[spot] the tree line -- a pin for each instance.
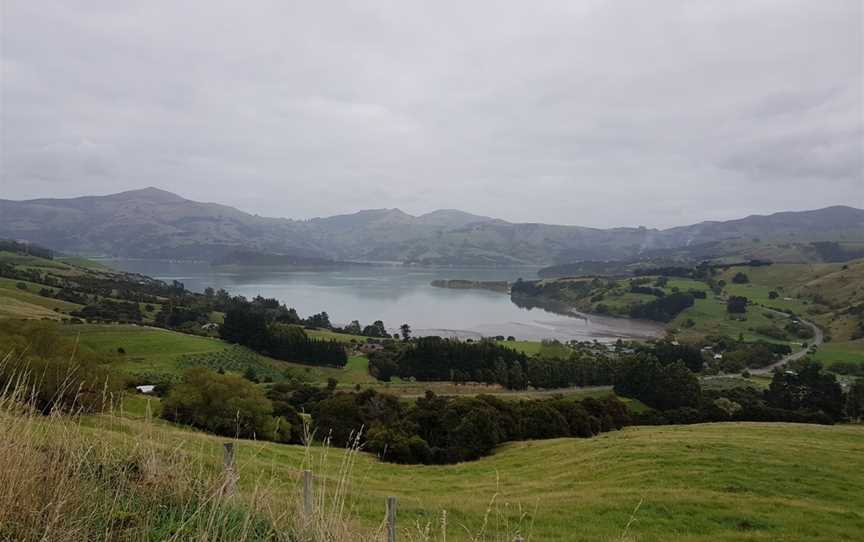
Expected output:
(436, 358)
(247, 325)
(435, 429)
(431, 430)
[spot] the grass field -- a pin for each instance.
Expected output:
(83, 262)
(154, 351)
(12, 307)
(148, 350)
(527, 347)
(9, 289)
(710, 317)
(32, 262)
(850, 351)
(710, 482)
(333, 336)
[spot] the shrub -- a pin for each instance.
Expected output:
(223, 404)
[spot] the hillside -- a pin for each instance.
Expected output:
(828, 294)
(153, 223)
(707, 482)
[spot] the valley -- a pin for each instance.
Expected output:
(710, 469)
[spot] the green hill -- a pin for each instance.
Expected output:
(710, 482)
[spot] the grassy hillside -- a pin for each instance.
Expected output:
(156, 353)
(717, 482)
(831, 295)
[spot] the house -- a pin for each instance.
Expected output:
(210, 327)
(147, 388)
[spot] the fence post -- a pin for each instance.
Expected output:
(307, 493)
(230, 471)
(391, 519)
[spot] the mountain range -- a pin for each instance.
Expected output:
(153, 223)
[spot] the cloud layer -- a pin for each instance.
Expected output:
(592, 113)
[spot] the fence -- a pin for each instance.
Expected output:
(232, 477)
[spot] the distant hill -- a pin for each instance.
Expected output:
(153, 223)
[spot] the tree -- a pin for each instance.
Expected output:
(383, 365)
(245, 326)
(322, 320)
(668, 352)
(377, 330)
(338, 418)
(662, 386)
(773, 295)
(740, 278)
(736, 304)
(855, 400)
(542, 421)
(663, 309)
(471, 428)
(810, 389)
(222, 404)
(354, 328)
(405, 330)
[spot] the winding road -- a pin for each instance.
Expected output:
(818, 337)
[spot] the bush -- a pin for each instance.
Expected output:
(225, 405)
(740, 278)
(58, 374)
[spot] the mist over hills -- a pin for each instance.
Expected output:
(153, 223)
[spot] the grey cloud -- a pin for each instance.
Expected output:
(558, 112)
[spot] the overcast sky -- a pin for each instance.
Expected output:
(597, 113)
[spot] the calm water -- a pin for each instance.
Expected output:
(397, 295)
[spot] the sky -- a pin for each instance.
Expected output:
(595, 113)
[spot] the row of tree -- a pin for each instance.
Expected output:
(433, 429)
(245, 324)
(436, 429)
(436, 358)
